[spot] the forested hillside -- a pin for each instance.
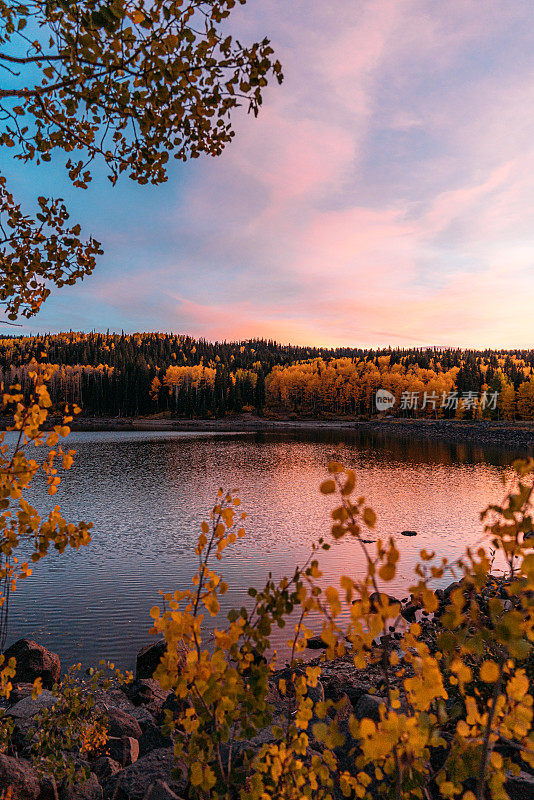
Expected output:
(150, 373)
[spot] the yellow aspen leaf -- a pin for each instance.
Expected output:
(335, 467)
(350, 483)
(387, 572)
(489, 672)
(196, 774)
(369, 517)
(228, 516)
(333, 599)
(328, 486)
(463, 729)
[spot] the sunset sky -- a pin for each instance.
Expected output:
(385, 194)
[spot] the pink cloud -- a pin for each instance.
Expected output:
(383, 194)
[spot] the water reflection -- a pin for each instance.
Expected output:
(148, 492)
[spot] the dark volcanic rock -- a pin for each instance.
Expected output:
(316, 693)
(342, 684)
(20, 691)
(125, 750)
(133, 782)
(368, 706)
(450, 588)
(148, 658)
(409, 611)
(116, 698)
(176, 705)
(34, 661)
(120, 723)
(19, 775)
(275, 698)
(152, 738)
(87, 790)
(143, 716)
(28, 708)
(160, 790)
(105, 767)
(316, 643)
(376, 597)
(147, 692)
(520, 787)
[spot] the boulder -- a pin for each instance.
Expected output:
(120, 723)
(34, 661)
(342, 684)
(275, 698)
(261, 737)
(85, 790)
(133, 782)
(176, 705)
(28, 708)
(341, 713)
(123, 749)
(143, 716)
(153, 738)
(368, 707)
(18, 775)
(20, 691)
(147, 692)
(316, 693)
(316, 643)
(520, 787)
(148, 658)
(450, 588)
(376, 597)
(409, 611)
(105, 767)
(118, 698)
(160, 790)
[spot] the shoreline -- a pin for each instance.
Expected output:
(506, 434)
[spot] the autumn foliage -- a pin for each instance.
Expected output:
(455, 712)
(149, 373)
(456, 715)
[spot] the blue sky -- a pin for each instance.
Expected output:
(383, 196)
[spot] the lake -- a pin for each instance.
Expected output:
(147, 494)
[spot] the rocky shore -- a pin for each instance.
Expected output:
(137, 761)
(513, 435)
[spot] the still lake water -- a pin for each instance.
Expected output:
(147, 494)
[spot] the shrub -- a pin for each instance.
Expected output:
(456, 715)
(456, 712)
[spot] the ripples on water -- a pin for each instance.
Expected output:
(147, 494)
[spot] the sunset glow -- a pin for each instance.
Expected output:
(383, 196)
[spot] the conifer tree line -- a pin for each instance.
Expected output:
(149, 373)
